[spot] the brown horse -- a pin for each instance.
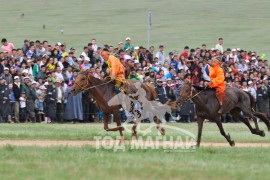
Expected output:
(103, 91)
(237, 102)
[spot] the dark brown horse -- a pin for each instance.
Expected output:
(237, 102)
(103, 91)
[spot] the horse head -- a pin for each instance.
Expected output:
(185, 93)
(81, 83)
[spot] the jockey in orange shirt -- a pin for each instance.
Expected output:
(117, 69)
(217, 80)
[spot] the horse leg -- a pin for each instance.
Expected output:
(200, 127)
(257, 131)
(263, 118)
(105, 121)
(255, 122)
(160, 129)
(118, 123)
(222, 132)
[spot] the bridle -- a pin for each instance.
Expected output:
(190, 97)
(84, 88)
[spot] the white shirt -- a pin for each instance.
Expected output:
(59, 94)
(161, 57)
(94, 46)
(252, 92)
(60, 64)
(69, 74)
(235, 57)
(84, 54)
(205, 75)
(59, 75)
(219, 47)
(22, 102)
(182, 66)
(242, 67)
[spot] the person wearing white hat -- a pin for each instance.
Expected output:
(17, 93)
(252, 90)
(233, 55)
(7, 76)
(41, 93)
(128, 45)
(136, 53)
(127, 57)
(120, 46)
(25, 71)
(86, 63)
(60, 98)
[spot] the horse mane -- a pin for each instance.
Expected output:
(152, 89)
(96, 80)
(199, 88)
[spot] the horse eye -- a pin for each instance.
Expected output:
(82, 79)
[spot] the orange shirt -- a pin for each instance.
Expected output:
(217, 77)
(116, 67)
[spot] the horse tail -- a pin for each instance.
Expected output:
(252, 101)
(152, 90)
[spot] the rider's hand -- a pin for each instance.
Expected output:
(113, 77)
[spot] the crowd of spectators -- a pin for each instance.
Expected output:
(35, 79)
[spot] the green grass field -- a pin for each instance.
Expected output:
(243, 24)
(238, 131)
(87, 162)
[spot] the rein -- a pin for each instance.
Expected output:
(192, 96)
(189, 98)
(84, 87)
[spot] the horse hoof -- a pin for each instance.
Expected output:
(162, 131)
(232, 143)
(134, 137)
(195, 146)
(262, 133)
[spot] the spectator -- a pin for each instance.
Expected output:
(60, 97)
(31, 52)
(17, 92)
(127, 45)
(219, 45)
(12, 101)
(50, 101)
(73, 111)
(22, 107)
(30, 94)
(4, 100)
(94, 44)
(161, 55)
(185, 52)
(7, 76)
(7, 46)
(26, 46)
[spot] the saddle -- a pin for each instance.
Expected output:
(121, 85)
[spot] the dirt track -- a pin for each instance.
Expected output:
(45, 143)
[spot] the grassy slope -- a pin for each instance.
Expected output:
(175, 23)
(238, 131)
(88, 163)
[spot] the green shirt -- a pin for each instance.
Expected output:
(131, 47)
